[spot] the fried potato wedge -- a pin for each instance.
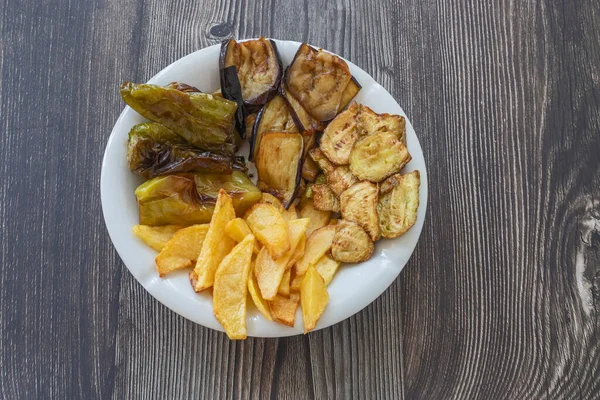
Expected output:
(283, 309)
(284, 286)
(321, 160)
(351, 244)
(182, 250)
(317, 79)
(327, 267)
(298, 252)
(398, 209)
(217, 244)
(290, 214)
(269, 272)
(359, 204)
(378, 156)
(340, 179)
(238, 229)
(295, 282)
(268, 198)
(259, 302)
(155, 236)
(270, 228)
(340, 135)
(317, 244)
(230, 291)
(318, 218)
(313, 297)
(324, 199)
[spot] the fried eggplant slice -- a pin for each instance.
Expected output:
(324, 198)
(204, 120)
(259, 69)
(270, 228)
(378, 156)
(340, 135)
(283, 309)
(232, 90)
(304, 121)
(279, 165)
(318, 218)
(327, 267)
(313, 297)
(349, 93)
(351, 244)
(230, 292)
(217, 244)
(182, 250)
(340, 179)
(273, 117)
(310, 170)
(155, 236)
(398, 208)
(317, 244)
(317, 79)
(154, 150)
(269, 272)
(259, 302)
(359, 204)
(319, 157)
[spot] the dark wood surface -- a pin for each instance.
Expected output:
(501, 297)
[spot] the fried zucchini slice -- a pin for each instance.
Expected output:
(321, 160)
(378, 156)
(389, 183)
(371, 122)
(283, 309)
(313, 297)
(270, 228)
(259, 68)
(318, 79)
(324, 199)
(398, 208)
(340, 135)
(340, 179)
(273, 117)
(279, 165)
(310, 170)
(230, 292)
(359, 204)
(318, 218)
(155, 236)
(351, 244)
(317, 244)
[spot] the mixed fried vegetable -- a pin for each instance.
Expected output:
(329, 180)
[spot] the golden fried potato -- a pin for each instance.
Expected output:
(351, 243)
(270, 228)
(155, 236)
(238, 229)
(230, 290)
(296, 282)
(321, 160)
(340, 179)
(327, 267)
(182, 250)
(378, 156)
(268, 198)
(284, 286)
(359, 204)
(217, 244)
(318, 218)
(324, 199)
(259, 302)
(313, 297)
(334, 221)
(298, 252)
(340, 135)
(317, 245)
(371, 122)
(268, 271)
(398, 209)
(283, 309)
(290, 214)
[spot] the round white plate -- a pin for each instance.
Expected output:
(355, 285)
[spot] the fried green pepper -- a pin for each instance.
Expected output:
(187, 199)
(204, 120)
(154, 150)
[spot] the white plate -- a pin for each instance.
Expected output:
(353, 288)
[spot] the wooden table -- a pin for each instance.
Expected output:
(500, 299)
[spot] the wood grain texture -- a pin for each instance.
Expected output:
(500, 299)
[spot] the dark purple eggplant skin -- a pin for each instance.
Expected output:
(288, 203)
(255, 104)
(255, 132)
(231, 90)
